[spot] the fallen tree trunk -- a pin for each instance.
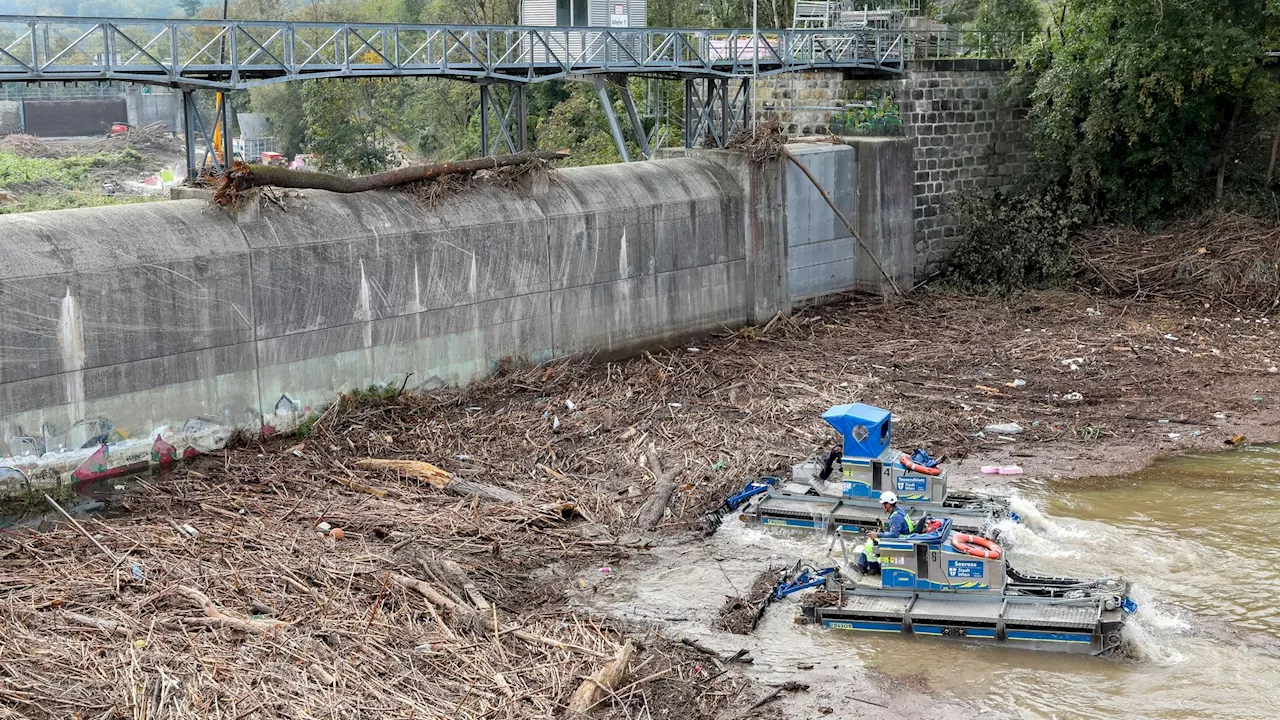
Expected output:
(440, 478)
(471, 617)
(652, 512)
(109, 626)
(216, 617)
(605, 680)
(255, 175)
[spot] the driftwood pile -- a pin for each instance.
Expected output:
(155, 135)
(741, 614)
(763, 144)
(27, 146)
(1219, 259)
(300, 580)
(414, 556)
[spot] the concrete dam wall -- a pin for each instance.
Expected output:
(137, 334)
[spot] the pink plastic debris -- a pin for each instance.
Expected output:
(1001, 470)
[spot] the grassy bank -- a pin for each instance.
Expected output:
(53, 182)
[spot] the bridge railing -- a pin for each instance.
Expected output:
(239, 53)
(958, 43)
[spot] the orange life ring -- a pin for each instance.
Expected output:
(987, 549)
(906, 462)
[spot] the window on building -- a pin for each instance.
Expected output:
(572, 13)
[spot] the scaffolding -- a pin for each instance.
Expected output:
(854, 15)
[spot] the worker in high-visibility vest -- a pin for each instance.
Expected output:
(900, 524)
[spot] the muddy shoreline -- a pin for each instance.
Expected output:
(1106, 387)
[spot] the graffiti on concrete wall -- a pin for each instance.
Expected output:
(93, 449)
(86, 433)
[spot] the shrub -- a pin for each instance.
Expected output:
(1014, 240)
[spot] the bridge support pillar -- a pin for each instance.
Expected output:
(601, 84)
(716, 111)
(637, 127)
(510, 114)
(602, 88)
(189, 112)
(198, 135)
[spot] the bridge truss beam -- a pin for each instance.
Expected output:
(510, 113)
(717, 110)
(237, 54)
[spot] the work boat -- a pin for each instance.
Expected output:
(956, 586)
(849, 503)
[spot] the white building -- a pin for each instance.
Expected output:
(584, 13)
(570, 42)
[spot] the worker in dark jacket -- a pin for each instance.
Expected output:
(899, 524)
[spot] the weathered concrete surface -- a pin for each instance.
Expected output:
(145, 108)
(10, 116)
(765, 281)
(801, 251)
(885, 218)
(182, 321)
(820, 250)
(145, 331)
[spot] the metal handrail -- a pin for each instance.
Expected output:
(182, 52)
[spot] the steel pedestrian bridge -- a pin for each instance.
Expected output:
(238, 54)
(716, 65)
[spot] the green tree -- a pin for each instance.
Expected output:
(1009, 24)
(579, 125)
(343, 127)
(190, 7)
(675, 13)
(1134, 103)
(282, 104)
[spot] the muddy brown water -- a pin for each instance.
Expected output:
(1198, 536)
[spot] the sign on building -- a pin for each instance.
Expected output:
(619, 17)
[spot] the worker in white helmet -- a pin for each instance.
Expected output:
(899, 524)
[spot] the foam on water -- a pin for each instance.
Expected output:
(1034, 518)
(1038, 535)
(1196, 538)
(1153, 633)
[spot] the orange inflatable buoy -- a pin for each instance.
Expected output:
(906, 462)
(985, 548)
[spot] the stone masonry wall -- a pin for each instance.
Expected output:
(966, 135)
